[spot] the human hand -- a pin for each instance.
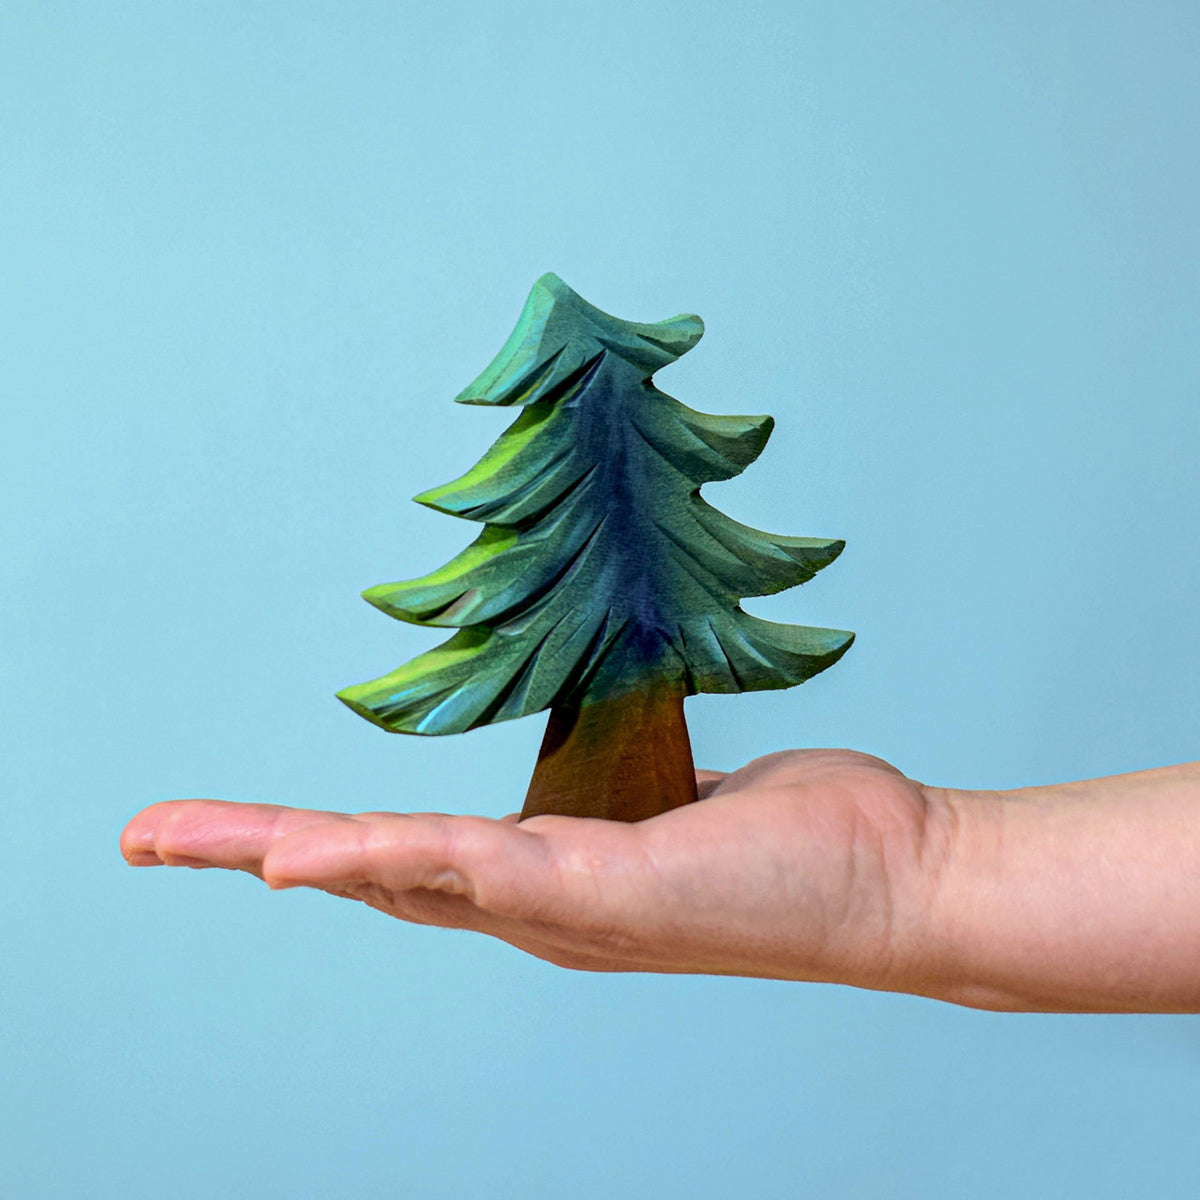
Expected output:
(808, 864)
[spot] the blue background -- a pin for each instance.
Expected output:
(251, 251)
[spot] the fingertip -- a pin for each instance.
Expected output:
(138, 835)
(313, 855)
(274, 871)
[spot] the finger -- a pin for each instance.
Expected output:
(561, 872)
(561, 944)
(573, 891)
(561, 947)
(486, 861)
(214, 833)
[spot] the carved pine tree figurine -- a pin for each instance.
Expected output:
(602, 586)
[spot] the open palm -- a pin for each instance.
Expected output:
(799, 866)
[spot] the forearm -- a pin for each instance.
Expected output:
(1081, 897)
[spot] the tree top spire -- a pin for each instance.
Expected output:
(559, 335)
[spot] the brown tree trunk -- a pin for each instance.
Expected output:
(625, 759)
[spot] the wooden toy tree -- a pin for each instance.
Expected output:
(602, 586)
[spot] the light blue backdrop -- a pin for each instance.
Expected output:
(251, 251)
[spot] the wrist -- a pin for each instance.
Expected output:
(913, 939)
(963, 902)
(1079, 897)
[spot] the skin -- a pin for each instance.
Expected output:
(822, 865)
